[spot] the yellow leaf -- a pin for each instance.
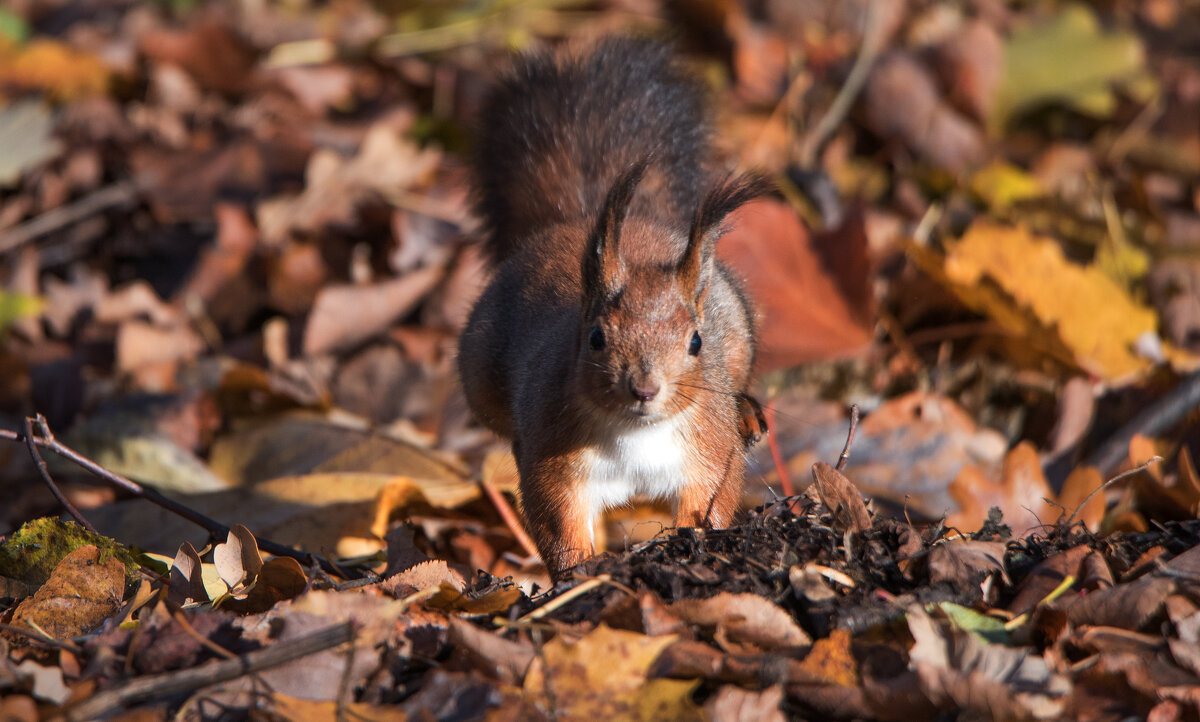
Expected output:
(1068, 60)
(48, 65)
(1026, 284)
(1001, 184)
(603, 676)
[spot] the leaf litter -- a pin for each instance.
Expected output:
(236, 250)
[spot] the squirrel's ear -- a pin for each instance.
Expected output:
(602, 259)
(695, 268)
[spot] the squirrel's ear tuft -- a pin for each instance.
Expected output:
(601, 259)
(695, 268)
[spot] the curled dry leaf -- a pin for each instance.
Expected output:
(237, 560)
(186, 586)
(966, 563)
(841, 498)
(743, 623)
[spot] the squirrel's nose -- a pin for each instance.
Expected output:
(644, 390)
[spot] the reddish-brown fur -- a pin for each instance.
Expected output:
(585, 334)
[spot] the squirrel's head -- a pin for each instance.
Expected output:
(642, 348)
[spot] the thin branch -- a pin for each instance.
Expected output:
(845, 457)
(1110, 482)
(96, 202)
(212, 526)
(510, 518)
(785, 480)
(41, 637)
(187, 680)
(40, 463)
(872, 42)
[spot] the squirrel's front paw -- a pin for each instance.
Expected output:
(752, 424)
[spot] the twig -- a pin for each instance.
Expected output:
(1110, 482)
(40, 463)
(1152, 421)
(164, 685)
(785, 480)
(212, 526)
(96, 202)
(39, 635)
(845, 457)
(510, 518)
(568, 596)
(872, 42)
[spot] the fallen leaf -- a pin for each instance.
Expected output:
(1024, 283)
(603, 675)
(345, 316)
(44, 64)
(958, 670)
(1021, 494)
(743, 623)
(841, 498)
(805, 316)
(1069, 59)
(84, 590)
(966, 563)
(26, 127)
(734, 704)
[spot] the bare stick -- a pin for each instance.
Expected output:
(510, 518)
(1110, 482)
(40, 463)
(872, 42)
(845, 457)
(96, 202)
(212, 526)
(785, 480)
(187, 680)
(41, 637)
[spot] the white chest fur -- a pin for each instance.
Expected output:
(646, 460)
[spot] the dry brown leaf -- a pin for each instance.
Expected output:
(186, 586)
(957, 669)
(280, 578)
(603, 675)
(804, 314)
(744, 623)
(237, 560)
(832, 661)
(335, 188)
(431, 574)
(966, 563)
(1021, 494)
(1080, 483)
(82, 592)
(734, 704)
(501, 658)
(345, 316)
(841, 498)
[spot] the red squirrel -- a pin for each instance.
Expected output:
(611, 345)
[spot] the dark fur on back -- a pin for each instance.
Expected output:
(557, 133)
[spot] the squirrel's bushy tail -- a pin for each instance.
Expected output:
(557, 132)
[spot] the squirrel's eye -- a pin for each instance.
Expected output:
(596, 338)
(694, 344)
